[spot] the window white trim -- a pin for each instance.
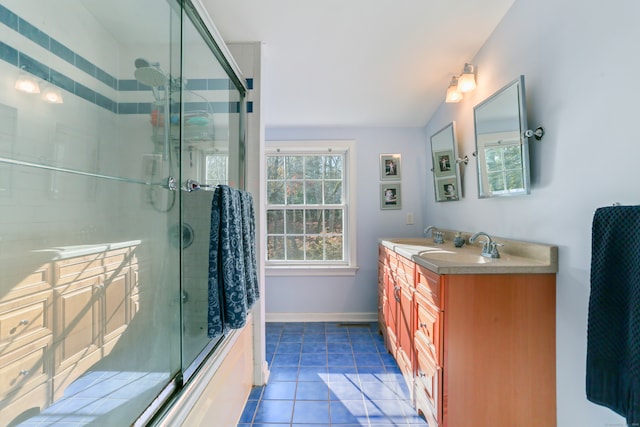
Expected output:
(330, 270)
(342, 268)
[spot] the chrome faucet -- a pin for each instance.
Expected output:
(489, 247)
(438, 236)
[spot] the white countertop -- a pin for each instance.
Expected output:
(65, 252)
(516, 257)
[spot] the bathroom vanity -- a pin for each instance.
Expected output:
(92, 288)
(474, 337)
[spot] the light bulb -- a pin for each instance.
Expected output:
(467, 80)
(27, 83)
(52, 95)
(453, 94)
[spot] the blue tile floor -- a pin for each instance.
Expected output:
(329, 374)
(98, 396)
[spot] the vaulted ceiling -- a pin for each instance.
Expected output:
(357, 62)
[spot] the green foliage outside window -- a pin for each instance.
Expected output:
(504, 168)
(305, 208)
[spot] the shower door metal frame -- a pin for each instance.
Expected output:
(201, 20)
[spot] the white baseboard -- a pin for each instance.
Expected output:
(321, 317)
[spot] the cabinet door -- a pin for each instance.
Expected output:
(405, 329)
(428, 379)
(76, 329)
(116, 310)
(383, 307)
(393, 292)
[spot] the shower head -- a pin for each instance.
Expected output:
(141, 62)
(149, 74)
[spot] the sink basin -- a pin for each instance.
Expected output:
(412, 241)
(456, 257)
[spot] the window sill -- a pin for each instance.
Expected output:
(287, 270)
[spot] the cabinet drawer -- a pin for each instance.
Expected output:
(25, 368)
(25, 319)
(14, 285)
(428, 285)
(428, 328)
(385, 254)
(74, 269)
(404, 269)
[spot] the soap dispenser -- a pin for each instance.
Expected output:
(458, 240)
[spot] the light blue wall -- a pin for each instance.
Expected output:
(577, 61)
(354, 297)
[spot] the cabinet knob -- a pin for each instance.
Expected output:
(24, 322)
(423, 325)
(24, 372)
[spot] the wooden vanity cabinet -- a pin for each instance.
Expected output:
(484, 349)
(399, 276)
(94, 301)
(59, 319)
(499, 350)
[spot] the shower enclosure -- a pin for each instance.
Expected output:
(117, 120)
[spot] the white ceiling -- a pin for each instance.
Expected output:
(357, 62)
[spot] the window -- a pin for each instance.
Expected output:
(504, 168)
(216, 167)
(309, 212)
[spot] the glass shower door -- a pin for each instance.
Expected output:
(211, 155)
(89, 258)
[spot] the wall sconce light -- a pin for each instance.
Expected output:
(467, 80)
(27, 83)
(51, 94)
(453, 94)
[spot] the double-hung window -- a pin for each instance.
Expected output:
(503, 162)
(310, 209)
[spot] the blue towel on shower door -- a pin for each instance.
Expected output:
(249, 245)
(613, 328)
(232, 267)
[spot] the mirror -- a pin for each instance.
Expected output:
(446, 176)
(502, 151)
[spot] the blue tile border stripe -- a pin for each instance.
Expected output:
(18, 59)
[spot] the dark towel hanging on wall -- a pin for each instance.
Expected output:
(233, 279)
(613, 328)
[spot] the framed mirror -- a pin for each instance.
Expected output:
(502, 151)
(446, 174)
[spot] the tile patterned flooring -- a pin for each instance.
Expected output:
(329, 374)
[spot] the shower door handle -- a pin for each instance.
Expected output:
(193, 185)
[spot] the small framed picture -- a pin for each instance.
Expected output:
(389, 167)
(443, 163)
(390, 196)
(446, 189)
